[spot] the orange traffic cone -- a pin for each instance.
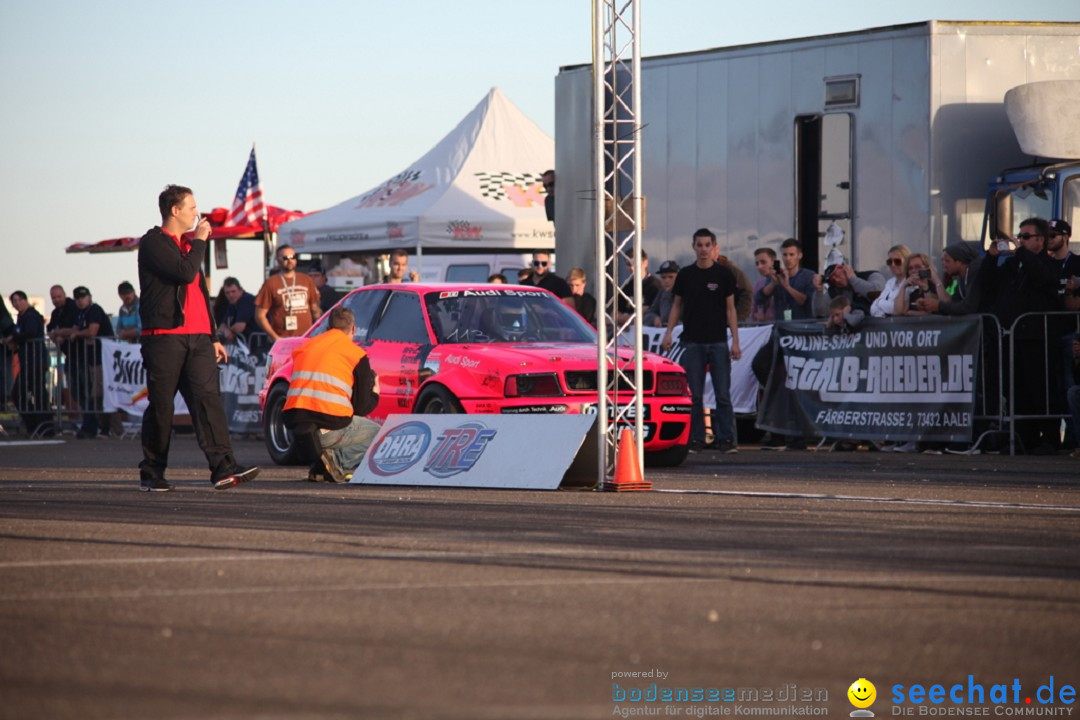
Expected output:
(627, 470)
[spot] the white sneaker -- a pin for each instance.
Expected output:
(908, 447)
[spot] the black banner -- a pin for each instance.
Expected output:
(895, 379)
(241, 379)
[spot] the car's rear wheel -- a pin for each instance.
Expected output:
(672, 457)
(437, 400)
(279, 440)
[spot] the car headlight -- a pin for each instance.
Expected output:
(539, 385)
(671, 384)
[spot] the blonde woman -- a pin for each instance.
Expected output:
(920, 280)
(886, 301)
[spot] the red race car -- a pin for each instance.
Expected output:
(476, 348)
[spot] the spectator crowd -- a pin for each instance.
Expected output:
(1035, 272)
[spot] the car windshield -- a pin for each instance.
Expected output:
(487, 315)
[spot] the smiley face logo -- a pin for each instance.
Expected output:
(862, 693)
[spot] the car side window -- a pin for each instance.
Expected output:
(365, 305)
(402, 321)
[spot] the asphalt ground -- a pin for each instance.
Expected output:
(285, 599)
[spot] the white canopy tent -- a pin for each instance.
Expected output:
(478, 189)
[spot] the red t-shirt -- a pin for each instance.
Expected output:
(196, 316)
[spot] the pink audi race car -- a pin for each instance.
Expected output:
(486, 349)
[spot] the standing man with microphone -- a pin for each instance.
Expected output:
(178, 346)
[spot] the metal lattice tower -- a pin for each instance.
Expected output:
(616, 159)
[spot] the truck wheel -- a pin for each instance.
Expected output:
(437, 400)
(672, 457)
(279, 440)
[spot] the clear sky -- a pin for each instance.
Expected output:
(103, 103)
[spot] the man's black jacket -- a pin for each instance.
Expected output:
(164, 274)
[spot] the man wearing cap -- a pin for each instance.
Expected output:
(960, 263)
(179, 349)
(1065, 328)
(861, 288)
(128, 325)
(660, 309)
(1057, 245)
(91, 323)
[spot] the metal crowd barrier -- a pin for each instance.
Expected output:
(1040, 356)
(47, 390)
(38, 388)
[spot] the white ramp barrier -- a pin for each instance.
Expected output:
(538, 452)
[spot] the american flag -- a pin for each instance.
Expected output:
(247, 208)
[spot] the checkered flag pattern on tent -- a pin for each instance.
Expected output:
(493, 185)
(522, 189)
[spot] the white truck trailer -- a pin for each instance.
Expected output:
(891, 133)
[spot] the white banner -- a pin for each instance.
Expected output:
(744, 386)
(125, 379)
(474, 451)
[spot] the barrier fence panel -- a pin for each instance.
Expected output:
(99, 386)
(1039, 366)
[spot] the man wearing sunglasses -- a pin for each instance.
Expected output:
(543, 277)
(1025, 282)
(288, 302)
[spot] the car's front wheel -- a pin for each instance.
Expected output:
(437, 400)
(279, 440)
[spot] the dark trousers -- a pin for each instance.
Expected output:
(29, 392)
(185, 363)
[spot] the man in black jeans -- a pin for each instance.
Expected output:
(178, 345)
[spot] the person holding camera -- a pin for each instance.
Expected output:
(765, 311)
(789, 286)
(920, 281)
(861, 287)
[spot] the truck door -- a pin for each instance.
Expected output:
(823, 191)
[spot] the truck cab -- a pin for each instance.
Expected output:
(1050, 191)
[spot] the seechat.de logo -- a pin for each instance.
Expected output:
(399, 449)
(458, 449)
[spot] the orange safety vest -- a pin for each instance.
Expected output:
(322, 376)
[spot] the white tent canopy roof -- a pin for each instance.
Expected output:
(478, 189)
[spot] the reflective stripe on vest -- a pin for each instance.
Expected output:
(322, 377)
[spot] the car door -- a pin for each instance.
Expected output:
(398, 344)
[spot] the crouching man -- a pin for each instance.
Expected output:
(331, 389)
